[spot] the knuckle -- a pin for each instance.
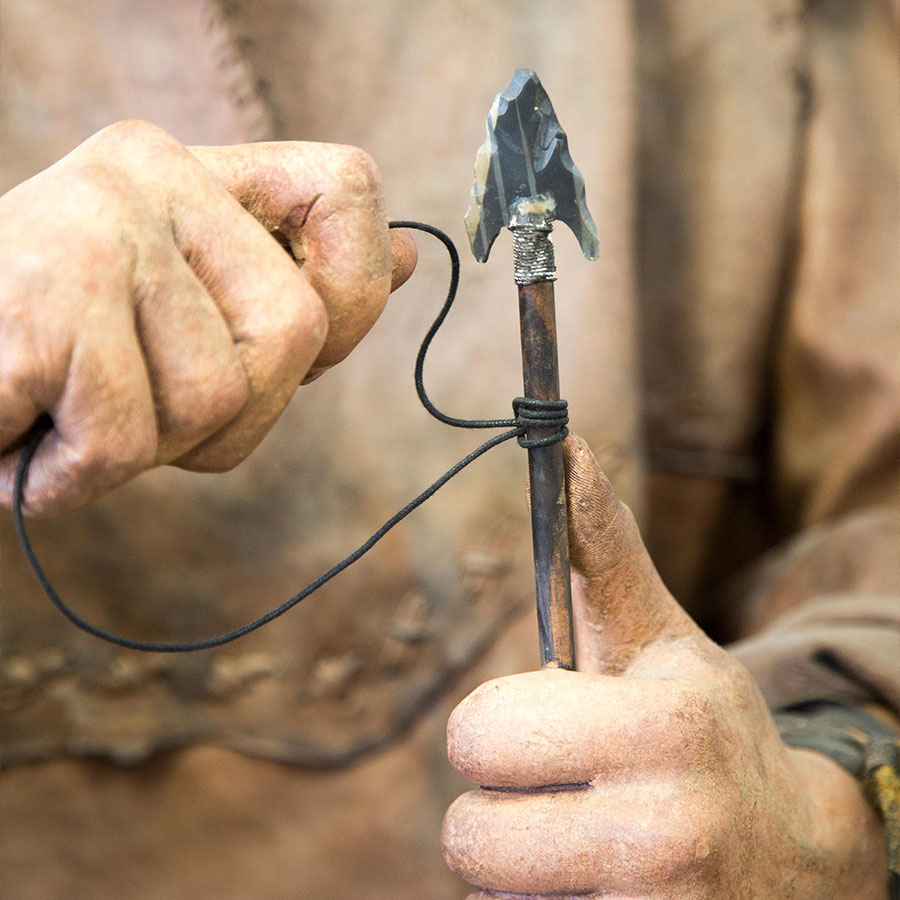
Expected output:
(47, 501)
(216, 395)
(130, 451)
(739, 683)
(230, 394)
(18, 372)
(309, 323)
(297, 336)
(101, 206)
(356, 172)
(134, 135)
(98, 181)
(131, 155)
(689, 851)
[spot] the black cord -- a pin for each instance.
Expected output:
(528, 414)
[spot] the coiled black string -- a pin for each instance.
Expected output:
(527, 414)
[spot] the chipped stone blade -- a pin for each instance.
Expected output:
(526, 156)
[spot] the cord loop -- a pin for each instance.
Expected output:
(531, 414)
(528, 415)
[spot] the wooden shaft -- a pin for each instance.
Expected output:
(546, 473)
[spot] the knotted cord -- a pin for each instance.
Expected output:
(527, 414)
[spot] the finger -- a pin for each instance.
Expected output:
(104, 422)
(197, 375)
(555, 727)
(276, 319)
(633, 839)
(324, 202)
(404, 256)
(18, 407)
(505, 895)
(33, 360)
(24, 395)
(620, 603)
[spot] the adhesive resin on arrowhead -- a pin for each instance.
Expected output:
(525, 157)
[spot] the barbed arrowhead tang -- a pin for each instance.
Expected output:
(525, 179)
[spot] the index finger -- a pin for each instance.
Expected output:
(555, 727)
(324, 203)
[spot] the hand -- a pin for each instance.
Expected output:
(146, 307)
(656, 771)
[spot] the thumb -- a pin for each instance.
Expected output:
(620, 603)
(324, 204)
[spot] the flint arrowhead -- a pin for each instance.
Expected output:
(526, 158)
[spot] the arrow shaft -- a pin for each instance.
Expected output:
(525, 179)
(546, 473)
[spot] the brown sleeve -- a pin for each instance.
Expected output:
(824, 614)
(825, 608)
(837, 377)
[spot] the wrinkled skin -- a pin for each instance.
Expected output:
(146, 307)
(671, 779)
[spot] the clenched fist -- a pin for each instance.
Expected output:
(656, 771)
(147, 303)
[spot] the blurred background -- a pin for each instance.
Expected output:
(727, 149)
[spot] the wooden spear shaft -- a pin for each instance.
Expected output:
(547, 479)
